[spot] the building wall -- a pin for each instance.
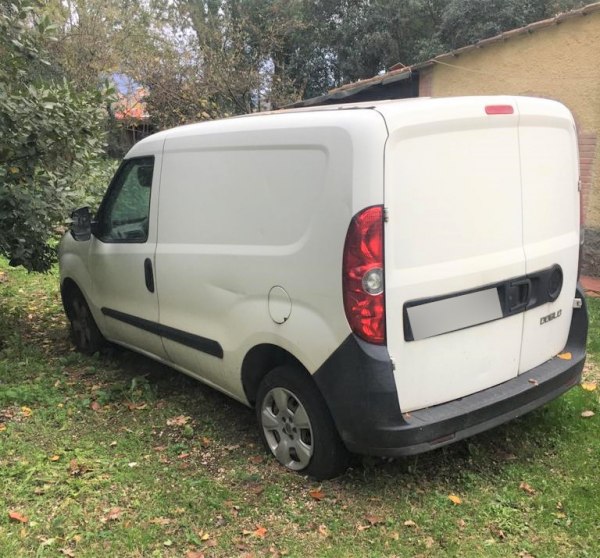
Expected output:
(562, 62)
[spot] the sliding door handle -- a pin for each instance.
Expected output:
(149, 274)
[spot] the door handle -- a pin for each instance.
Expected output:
(149, 274)
(518, 294)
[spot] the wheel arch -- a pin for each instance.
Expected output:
(259, 361)
(69, 288)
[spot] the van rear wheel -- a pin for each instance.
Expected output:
(296, 426)
(85, 334)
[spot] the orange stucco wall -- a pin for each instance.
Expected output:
(562, 62)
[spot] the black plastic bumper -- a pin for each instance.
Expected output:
(358, 384)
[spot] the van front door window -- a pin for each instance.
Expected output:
(123, 216)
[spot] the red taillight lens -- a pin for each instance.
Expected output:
(362, 279)
(499, 109)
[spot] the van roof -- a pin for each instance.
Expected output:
(212, 125)
(390, 109)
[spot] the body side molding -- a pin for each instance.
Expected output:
(208, 346)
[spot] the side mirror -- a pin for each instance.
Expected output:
(81, 224)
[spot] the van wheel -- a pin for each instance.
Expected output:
(296, 426)
(85, 334)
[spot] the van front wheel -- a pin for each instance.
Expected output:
(85, 334)
(296, 426)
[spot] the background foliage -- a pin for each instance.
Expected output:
(51, 138)
(195, 60)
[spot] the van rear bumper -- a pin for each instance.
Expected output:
(358, 383)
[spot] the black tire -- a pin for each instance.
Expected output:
(302, 436)
(84, 332)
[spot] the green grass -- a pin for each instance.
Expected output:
(120, 456)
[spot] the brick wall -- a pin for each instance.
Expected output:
(591, 249)
(587, 150)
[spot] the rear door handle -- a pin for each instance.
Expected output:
(149, 274)
(518, 294)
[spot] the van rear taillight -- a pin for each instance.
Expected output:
(363, 282)
(499, 109)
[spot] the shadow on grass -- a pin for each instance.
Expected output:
(522, 441)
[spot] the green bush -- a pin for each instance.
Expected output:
(52, 140)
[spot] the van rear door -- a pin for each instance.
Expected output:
(454, 232)
(550, 176)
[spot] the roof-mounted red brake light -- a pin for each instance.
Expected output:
(362, 278)
(499, 109)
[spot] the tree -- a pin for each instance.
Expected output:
(51, 138)
(468, 21)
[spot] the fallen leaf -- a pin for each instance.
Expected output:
(394, 535)
(67, 552)
(565, 356)
(206, 536)
(456, 500)
(180, 420)
(16, 516)
(316, 494)
(527, 488)
(136, 406)
(497, 532)
(533, 381)
(409, 523)
(112, 444)
(2, 427)
(205, 442)
(112, 515)
(256, 488)
(260, 532)
(95, 406)
(26, 411)
(589, 386)
(183, 455)
(256, 459)
(461, 524)
(323, 531)
(54, 457)
(429, 542)
(75, 469)
(168, 542)
(587, 414)
(525, 554)
(194, 554)
(374, 519)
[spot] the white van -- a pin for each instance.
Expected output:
(383, 278)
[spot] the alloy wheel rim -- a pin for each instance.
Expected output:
(287, 428)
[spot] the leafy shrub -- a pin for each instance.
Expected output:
(51, 140)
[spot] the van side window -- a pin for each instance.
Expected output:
(124, 213)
